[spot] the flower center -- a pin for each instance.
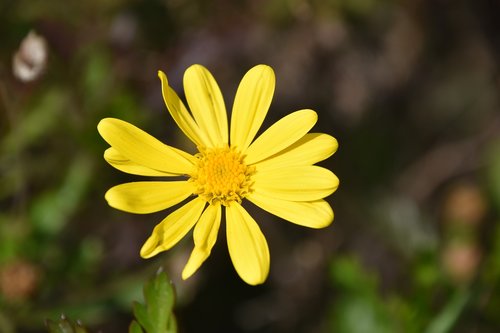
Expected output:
(221, 176)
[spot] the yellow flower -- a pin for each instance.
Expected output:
(274, 171)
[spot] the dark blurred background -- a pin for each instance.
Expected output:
(409, 88)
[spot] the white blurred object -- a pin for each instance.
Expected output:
(29, 61)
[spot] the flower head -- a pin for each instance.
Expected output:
(275, 171)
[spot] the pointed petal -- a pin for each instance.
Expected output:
(247, 245)
(180, 114)
(120, 162)
(313, 214)
(205, 235)
(173, 228)
(141, 148)
(297, 183)
(251, 104)
(148, 197)
(206, 103)
(281, 135)
(311, 148)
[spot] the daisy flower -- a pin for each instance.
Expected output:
(275, 171)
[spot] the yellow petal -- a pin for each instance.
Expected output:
(148, 197)
(206, 103)
(141, 148)
(251, 104)
(205, 235)
(171, 230)
(247, 245)
(281, 135)
(297, 183)
(310, 149)
(313, 214)
(120, 162)
(196, 259)
(180, 114)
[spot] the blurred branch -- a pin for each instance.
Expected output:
(5, 103)
(4, 98)
(445, 161)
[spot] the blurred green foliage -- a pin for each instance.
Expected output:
(410, 90)
(155, 316)
(64, 325)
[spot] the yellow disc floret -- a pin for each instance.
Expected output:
(221, 176)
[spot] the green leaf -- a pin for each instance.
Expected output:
(445, 320)
(135, 327)
(172, 325)
(155, 316)
(142, 316)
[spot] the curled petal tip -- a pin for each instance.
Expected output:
(162, 75)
